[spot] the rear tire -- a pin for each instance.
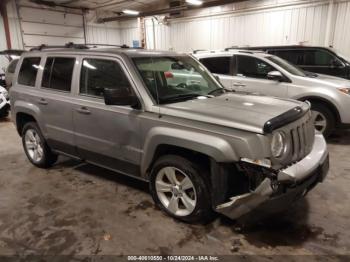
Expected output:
(178, 187)
(36, 148)
(323, 118)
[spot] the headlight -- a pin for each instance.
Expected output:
(278, 144)
(345, 90)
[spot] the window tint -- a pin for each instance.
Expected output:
(58, 73)
(252, 67)
(306, 57)
(28, 71)
(98, 74)
(12, 66)
(217, 65)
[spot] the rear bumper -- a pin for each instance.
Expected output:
(293, 183)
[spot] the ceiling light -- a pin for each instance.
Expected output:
(194, 2)
(130, 12)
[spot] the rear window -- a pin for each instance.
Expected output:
(28, 71)
(217, 65)
(58, 72)
(12, 66)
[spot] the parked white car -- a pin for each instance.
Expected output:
(266, 74)
(4, 102)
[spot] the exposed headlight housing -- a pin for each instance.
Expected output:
(278, 144)
(345, 90)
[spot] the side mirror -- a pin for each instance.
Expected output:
(120, 97)
(217, 78)
(275, 75)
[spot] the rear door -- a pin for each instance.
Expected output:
(250, 75)
(106, 135)
(314, 60)
(55, 102)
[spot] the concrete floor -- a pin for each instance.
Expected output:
(78, 209)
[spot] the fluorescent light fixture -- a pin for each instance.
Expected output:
(130, 12)
(194, 2)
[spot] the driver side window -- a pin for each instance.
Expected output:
(249, 66)
(98, 74)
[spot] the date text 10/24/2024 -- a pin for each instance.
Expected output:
(173, 258)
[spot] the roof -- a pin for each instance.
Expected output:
(283, 47)
(202, 54)
(131, 52)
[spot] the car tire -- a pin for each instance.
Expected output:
(189, 189)
(36, 148)
(323, 118)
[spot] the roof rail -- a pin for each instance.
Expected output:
(74, 46)
(68, 45)
(199, 50)
(120, 46)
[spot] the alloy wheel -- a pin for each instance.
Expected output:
(175, 191)
(319, 120)
(33, 145)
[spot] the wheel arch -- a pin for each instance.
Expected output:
(324, 101)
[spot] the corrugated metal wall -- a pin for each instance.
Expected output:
(341, 40)
(285, 25)
(255, 23)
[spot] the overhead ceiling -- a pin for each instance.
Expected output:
(111, 10)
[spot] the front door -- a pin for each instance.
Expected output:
(250, 75)
(106, 135)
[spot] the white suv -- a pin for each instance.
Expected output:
(266, 74)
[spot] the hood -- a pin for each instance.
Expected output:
(330, 81)
(241, 111)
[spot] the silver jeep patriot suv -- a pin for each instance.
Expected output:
(163, 118)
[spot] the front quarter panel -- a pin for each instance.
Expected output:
(224, 145)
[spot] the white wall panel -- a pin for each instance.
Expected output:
(290, 25)
(342, 28)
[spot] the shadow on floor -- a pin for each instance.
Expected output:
(339, 137)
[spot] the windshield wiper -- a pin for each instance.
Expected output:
(223, 90)
(180, 97)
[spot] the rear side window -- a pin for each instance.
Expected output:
(12, 66)
(58, 72)
(252, 67)
(98, 74)
(29, 69)
(312, 57)
(217, 65)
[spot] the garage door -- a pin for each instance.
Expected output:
(41, 26)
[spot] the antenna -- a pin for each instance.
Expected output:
(156, 84)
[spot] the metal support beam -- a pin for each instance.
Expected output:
(3, 11)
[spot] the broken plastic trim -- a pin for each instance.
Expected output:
(259, 162)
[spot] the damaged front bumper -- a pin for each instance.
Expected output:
(292, 183)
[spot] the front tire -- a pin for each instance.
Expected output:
(323, 118)
(178, 187)
(35, 146)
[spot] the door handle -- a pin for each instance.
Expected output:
(42, 101)
(83, 110)
(238, 84)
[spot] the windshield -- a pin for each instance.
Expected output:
(172, 79)
(287, 66)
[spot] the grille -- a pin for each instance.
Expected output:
(302, 139)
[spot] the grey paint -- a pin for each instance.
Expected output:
(226, 128)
